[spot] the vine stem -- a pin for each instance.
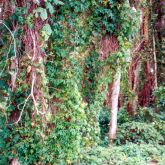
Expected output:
(25, 102)
(15, 54)
(22, 109)
(32, 95)
(34, 75)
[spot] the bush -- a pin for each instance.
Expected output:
(137, 132)
(145, 114)
(151, 117)
(159, 125)
(130, 154)
(159, 93)
(104, 119)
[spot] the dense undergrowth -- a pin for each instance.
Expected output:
(128, 154)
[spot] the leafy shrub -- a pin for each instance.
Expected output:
(145, 114)
(130, 154)
(137, 132)
(151, 117)
(104, 119)
(159, 93)
(123, 116)
(159, 125)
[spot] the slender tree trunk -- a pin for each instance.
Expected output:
(114, 105)
(15, 162)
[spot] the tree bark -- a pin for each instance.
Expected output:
(15, 162)
(114, 105)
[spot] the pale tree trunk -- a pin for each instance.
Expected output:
(15, 162)
(114, 105)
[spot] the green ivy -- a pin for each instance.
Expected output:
(76, 84)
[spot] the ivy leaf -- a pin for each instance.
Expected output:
(46, 31)
(50, 7)
(3, 85)
(57, 2)
(43, 13)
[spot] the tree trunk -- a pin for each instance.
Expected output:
(15, 162)
(114, 105)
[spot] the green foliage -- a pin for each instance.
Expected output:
(123, 116)
(126, 154)
(104, 121)
(137, 132)
(42, 12)
(46, 31)
(129, 21)
(150, 116)
(159, 93)
(57, 2)
(74, 81)
(160, 127)
(146, 126)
